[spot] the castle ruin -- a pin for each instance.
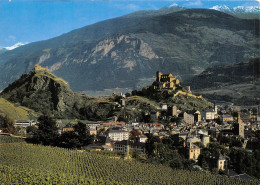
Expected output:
(165, 81)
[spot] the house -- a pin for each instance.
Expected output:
(205, 139)
(211, 113)
(113, 123)
(118, 135)
(188, 118)
(93, 131)
(141, 138)
(221, 163)
(67, 129)
(138, 146)
(107, 148)
(193, 152)
(93, 126)
(127, 146)
(217, 161)
(94, 147)
(191, 117)
(122, 146)
(164, 107)
(172, 111)
(226, 118)
(25, 123)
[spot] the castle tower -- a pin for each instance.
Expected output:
(37, 67)
(158, 76)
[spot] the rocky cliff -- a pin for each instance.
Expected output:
(43, 92)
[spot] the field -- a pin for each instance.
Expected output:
(31, 164)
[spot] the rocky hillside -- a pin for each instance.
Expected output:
(238, 83)
(43, 92)
(243, 72)
(127, 51)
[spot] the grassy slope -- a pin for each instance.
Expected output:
(16, 112)
(143, 100)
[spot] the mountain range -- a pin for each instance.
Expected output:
(125, 52)
(244, 12)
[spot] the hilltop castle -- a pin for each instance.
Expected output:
(37, 67)
(165, 81)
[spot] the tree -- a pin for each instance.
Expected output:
(78, 138)
(150, 145)
(7, 125)
(31, 129)
(47, 133)
(82, 133)
(69, 140)
(135, 133)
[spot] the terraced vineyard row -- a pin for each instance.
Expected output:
(31, 164)
(8, 139)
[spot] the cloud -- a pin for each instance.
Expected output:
(15, 46)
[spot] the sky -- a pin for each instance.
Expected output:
(26, 21)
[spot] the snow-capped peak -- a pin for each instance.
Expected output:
(174, 5)
(238, 9)
(15, 46)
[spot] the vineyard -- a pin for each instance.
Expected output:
(8, 139)
(31, 164)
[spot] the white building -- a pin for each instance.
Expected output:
(164, 106)
(24, 123)
(141, 138)
(118, 135)
(188, 118)
(211, 114)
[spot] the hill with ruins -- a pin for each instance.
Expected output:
(168, 89)
(45, 93)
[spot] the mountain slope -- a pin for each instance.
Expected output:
(127, 51)
(238, 83)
